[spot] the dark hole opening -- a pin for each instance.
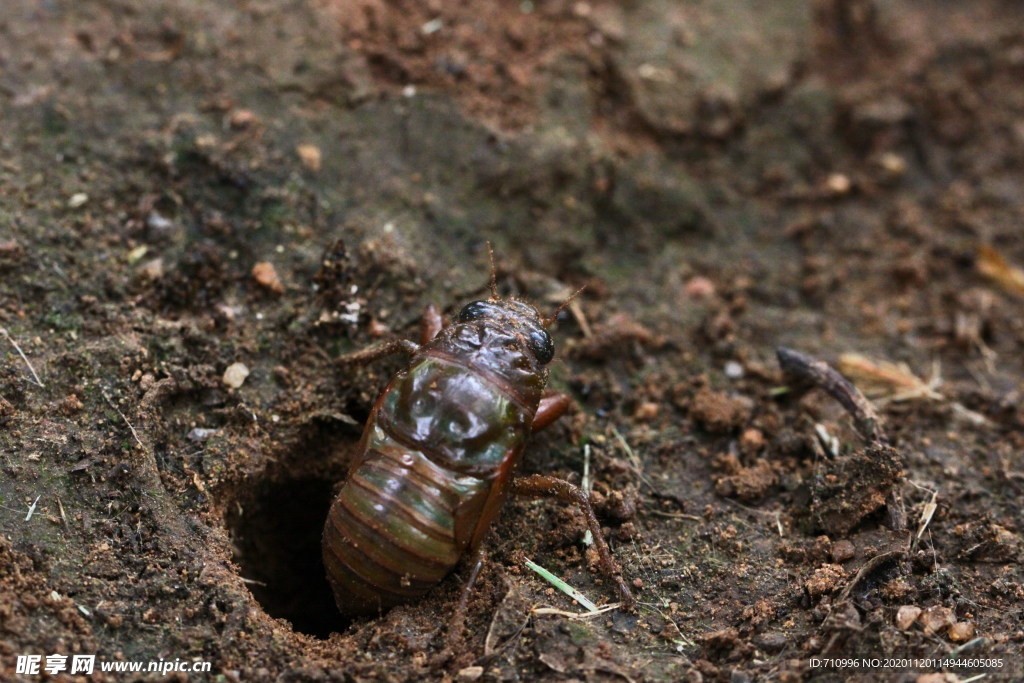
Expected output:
(277, 546)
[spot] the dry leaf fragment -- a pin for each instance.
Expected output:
(927, 512)
(992, 264)
(894, 382)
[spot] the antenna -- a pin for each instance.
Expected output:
(494, 273)
(562, 306)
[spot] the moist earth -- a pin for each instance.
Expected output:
(204, 205)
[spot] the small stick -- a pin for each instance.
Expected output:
(674, 515)
(588, 538)
(63, 517)
(969, 645)
(32, 509)
(867, 568)
(805, 371)
(544, 611)
(252, 581)
(23, 357)
(134, 433)
(631, 455)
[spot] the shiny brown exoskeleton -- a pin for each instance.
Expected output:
(438, 456)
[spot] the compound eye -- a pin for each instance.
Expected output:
(542, 346)
(473, 311)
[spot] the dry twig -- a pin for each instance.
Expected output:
(134, 433)
(806, 372)
(21, 353)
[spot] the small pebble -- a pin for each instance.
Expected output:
(151, 270)
(699, 287)
(906, 616)
(936, 618)
(646, 410)
(432, 26)
(961, 631)
(201, 434)
(771, 642)
(266, 276)
(733, 370)
(310, 156)
(78, 199)
(843, 550)
(470, 673)
(377, 329)
(242, 118)
(10, 248)
(136, 254)
(159, 223)
(893, 163)
(235, 375)
(838, 183)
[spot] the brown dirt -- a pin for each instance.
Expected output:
(189, 185)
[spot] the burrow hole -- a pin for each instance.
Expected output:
(276, 520)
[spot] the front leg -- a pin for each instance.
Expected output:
(552, 406)
(372, 353)
(539, 486)
(430, 325)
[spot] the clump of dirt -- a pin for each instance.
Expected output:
(854, 487)
(745, 483)
(719, 413)
(33, 615)
(488, 56)
(986, 541)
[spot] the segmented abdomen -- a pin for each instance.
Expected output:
(407, 513)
